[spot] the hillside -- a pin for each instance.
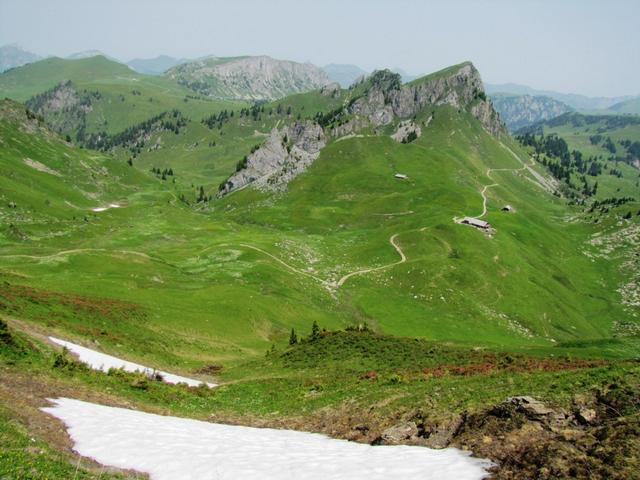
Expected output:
(13, 55)
(518, 111)
(629, 106)
(310, 256)
(45, 179)
(248, 78)
(609, 151)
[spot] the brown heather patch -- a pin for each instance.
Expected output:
(15, 299)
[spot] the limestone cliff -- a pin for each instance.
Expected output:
(285, 154)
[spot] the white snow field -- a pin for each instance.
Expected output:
(170, 448)
(104, 362)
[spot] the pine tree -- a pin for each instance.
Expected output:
(315, 331)
(293, 338)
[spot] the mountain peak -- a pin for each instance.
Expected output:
(248, 77)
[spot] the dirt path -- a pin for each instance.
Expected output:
(392, 241)
(77, 250)
(343, 279)
(538, 179)
(286, 265)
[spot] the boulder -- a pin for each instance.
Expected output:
(398, 434)
(532, 408)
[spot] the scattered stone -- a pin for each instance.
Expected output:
(531, 407)
(398, 434)
(587, 416)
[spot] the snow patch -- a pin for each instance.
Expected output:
(168, 448)
(104, 362)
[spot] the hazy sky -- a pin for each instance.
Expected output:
(581, 46)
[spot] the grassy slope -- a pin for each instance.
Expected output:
(119, 107)
(198, 163)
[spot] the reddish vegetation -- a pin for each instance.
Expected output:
(520, 365)
(370, 375)
(16, 298)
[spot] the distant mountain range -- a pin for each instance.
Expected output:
(518, 111)
(13, 55)
(575, 101)
(344, 74)
(155, 66)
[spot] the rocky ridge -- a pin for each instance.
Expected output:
(248, 78)
(378, 100)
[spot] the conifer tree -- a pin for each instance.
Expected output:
(293, 338)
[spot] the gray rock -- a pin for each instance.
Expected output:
(398, 434)
(285, 154)
(531, 407)
(442, 436)
(587, 416)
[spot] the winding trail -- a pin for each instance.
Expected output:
(392, 241)
(286, 265)
(77, 250)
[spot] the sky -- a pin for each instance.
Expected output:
(575, 46)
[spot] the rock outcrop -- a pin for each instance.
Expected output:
(285, 154)
(248, 78)
(63, 107)
(459, 86)
(407, 132)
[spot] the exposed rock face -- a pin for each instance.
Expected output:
(248, 78)
(520, 111)
(460, 87)
(285, 154)
(63, 107)
(407, 132)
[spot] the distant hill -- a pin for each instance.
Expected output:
(13, 55)
(628, 106)
(344, 74)
(93, 98)
(24, 82)
(155, 66)
(89, 54)
(575, 101)
(519, 111)
(248, 78)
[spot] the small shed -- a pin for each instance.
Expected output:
(507, 208)
(401, 176)
(476, 222)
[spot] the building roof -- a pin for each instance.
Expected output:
(476, 222)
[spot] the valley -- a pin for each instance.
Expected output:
(199, 232)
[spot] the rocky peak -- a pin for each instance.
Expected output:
(248, 78)
(459, 86)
